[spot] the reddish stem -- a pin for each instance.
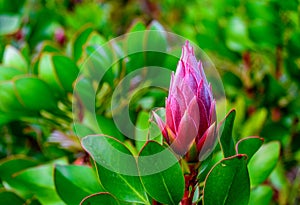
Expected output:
(190, 186)
(247, 60)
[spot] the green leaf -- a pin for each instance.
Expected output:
(117, 169)
(49, 46)
(66, 71)
(280, 182)
(58, 71)
(7, 73)
(6, 118)
(73, 183)
(137, 25)
(255, 123)
(79, 40)
(100, 60)
(263, 162)
(9, 23)
(95, 39)
(258, 29)
(142, 129)
(108, 127)
(226, 139)
(161, 173)
(9, 166)
(134, 45)
(29, 89)
(249, 146)
(262, 10)
(228, 182)
(237, 34)
(103, 198)
(46, 71)
(12, 57)
(10, 198)
(261, 195)
(38, 181)
(155, 44)
(10, 103)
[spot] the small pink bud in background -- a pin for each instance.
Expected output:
(60, 36)
(190, 106)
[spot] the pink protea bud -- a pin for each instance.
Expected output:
(190, 106)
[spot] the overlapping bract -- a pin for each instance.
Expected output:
(190, 106)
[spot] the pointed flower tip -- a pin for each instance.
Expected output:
(158, 121)
(188, 49)
(190, 94)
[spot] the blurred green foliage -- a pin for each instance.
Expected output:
(254, 44)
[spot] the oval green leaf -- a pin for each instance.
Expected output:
(263, 162)
(47, 72)
(249, 146)
(12, 57)
(228, 182)
(9, 101)
(117, 168)
(166, 184)
(66, 71)
(73, 183)
(7, 73)
(34, 93)
(38, 181)
(261, 195)
(237, 34)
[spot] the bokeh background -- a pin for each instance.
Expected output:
(254, 44)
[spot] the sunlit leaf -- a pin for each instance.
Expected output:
(237, 34)
(9, 23)
(12, 57)
(261, 195)
(263, 162)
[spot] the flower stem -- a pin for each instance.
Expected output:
(190, 185)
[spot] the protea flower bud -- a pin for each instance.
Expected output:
(190, 106)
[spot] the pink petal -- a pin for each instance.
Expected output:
(181, 99)
(204, 94)
(180, 70)
(161, 125)
(187, 132)
(207, 142)
(169, 116)
(192, 81)
(188, 55)
(186, 90)
(174, 113)
(212, 113)
(193, 111)
(201, 71)
(203, 125)
(171, 82)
